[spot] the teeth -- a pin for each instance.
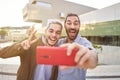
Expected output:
(53, 39)
(72, 31)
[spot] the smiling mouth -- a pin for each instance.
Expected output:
(72, 30)
(53, 40)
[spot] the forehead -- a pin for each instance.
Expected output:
(54, 26)
(72, 18)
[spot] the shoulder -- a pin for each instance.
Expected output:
(61, 41)
(82, 40)
(85, 42)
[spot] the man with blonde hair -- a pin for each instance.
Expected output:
(26, 50)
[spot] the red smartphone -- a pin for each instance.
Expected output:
(54, 56)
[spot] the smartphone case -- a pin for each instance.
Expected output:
(54, 56)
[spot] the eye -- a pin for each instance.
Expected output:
(51, 31)
(58, 32)
(76, 23)
(69, 23)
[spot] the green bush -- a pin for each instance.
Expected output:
(96, 46)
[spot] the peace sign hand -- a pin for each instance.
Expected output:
(27, 43)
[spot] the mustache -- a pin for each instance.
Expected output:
(73, 30)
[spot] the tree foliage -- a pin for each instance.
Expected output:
(3, 32)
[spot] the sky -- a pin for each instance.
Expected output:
(11, 10)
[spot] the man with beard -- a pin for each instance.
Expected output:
(86, 57)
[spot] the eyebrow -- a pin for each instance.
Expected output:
(76, 21)
(70, 21)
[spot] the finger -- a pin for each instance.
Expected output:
(68, 46)
(32, 32)
(27, 44)
(71, 47)
(84, 59)
(32, 35)
(22, 44)
(81, 52)
(32, 29)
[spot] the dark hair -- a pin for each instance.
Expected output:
(72, 14)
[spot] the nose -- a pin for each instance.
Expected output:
(72, 26)
(54, 34)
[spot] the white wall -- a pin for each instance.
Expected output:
(105, 14)
(109, 55)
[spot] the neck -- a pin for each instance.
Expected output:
(69, 41)
(49, 44)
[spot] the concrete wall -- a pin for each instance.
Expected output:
(8, 72)
(105, 14)
(37, 13)
(110, 55)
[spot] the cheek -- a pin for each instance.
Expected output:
(67, 27)
(47, 35)
(77, 27)
(58, 36)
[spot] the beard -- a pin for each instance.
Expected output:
(72, 34)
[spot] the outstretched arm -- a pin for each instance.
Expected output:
(11, 51)
(85, 58)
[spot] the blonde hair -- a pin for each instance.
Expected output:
(54, 22)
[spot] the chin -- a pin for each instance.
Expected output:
(71, 37)
(52, 44)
